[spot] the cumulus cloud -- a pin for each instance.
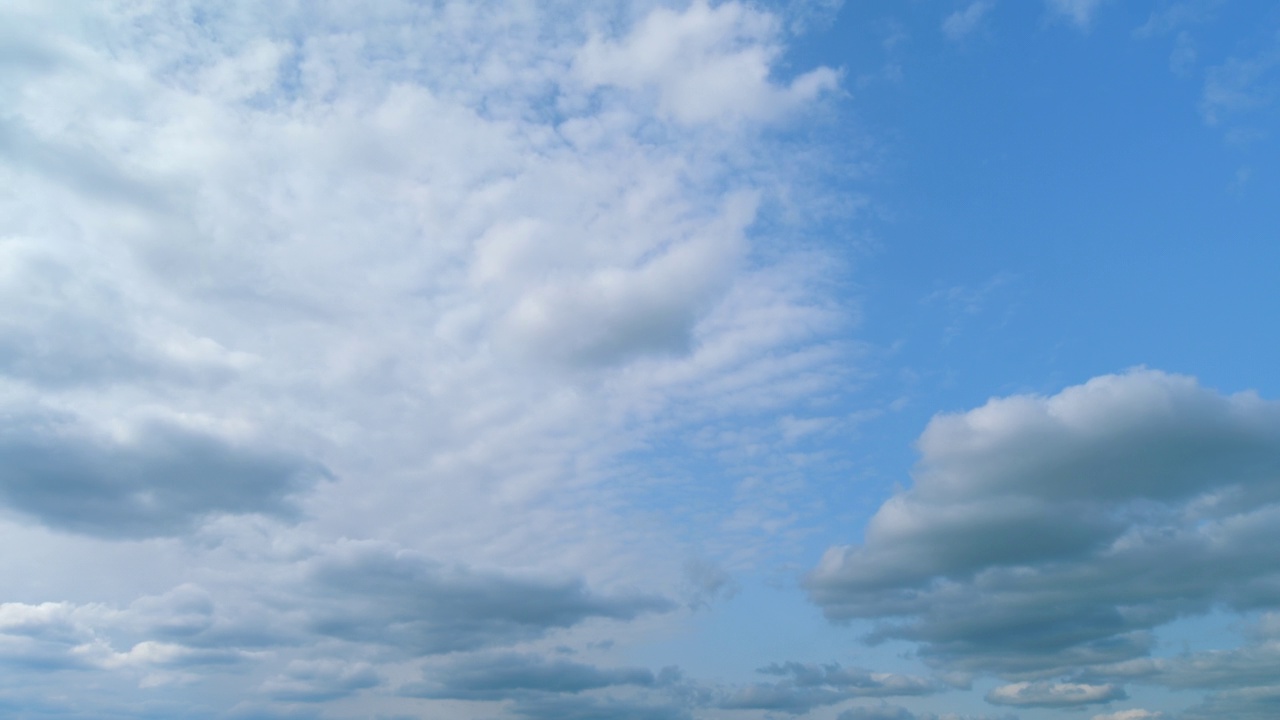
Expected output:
(1048, 534)
(704, 64)
(1052, 694)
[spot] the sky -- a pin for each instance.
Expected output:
(640, 360)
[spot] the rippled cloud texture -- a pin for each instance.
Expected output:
(455, 360)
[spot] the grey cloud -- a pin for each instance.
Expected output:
(320, 680)
(1051, 694)
(1256, 703)
(370, 593)
(44, 637)
(1255, 664)
(161, 482)
(1079, 12)
(1046, 534)
(79, 168)
(808, 686)
(877, 712)
(885, 711)
(588, 708)
(510, 675)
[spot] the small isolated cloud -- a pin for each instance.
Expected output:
(961, 23)
(1052, 694)
(1078, 12)
(1177, 15)
(1254, 703)
(1048, 534)
(1240, 86)
(707, 64)
(369, 593)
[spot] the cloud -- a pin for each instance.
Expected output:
(157, 479)
(1134, 714)
(584, 708)
(808, 686)
(1079, 12)
(425, 277)
(320, 680)
(1051, 694)
(1240, 86)
(511, 675)
(1048, 534)
(369, 593)
(1254, 703)
(961, 23)
(885, 711)
(707, 64)
(1174, 16)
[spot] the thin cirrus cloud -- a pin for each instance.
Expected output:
(962, 23)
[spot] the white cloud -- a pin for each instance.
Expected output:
(704, 64)
(1079, 12)
(413, 276)
(1044, 535)
(961, 23)
(1134, 714)
(1050, 694)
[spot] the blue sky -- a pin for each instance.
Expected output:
(640, 360)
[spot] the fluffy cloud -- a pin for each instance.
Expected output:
(704, 64)
(1045, 535)
(1050, 694)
